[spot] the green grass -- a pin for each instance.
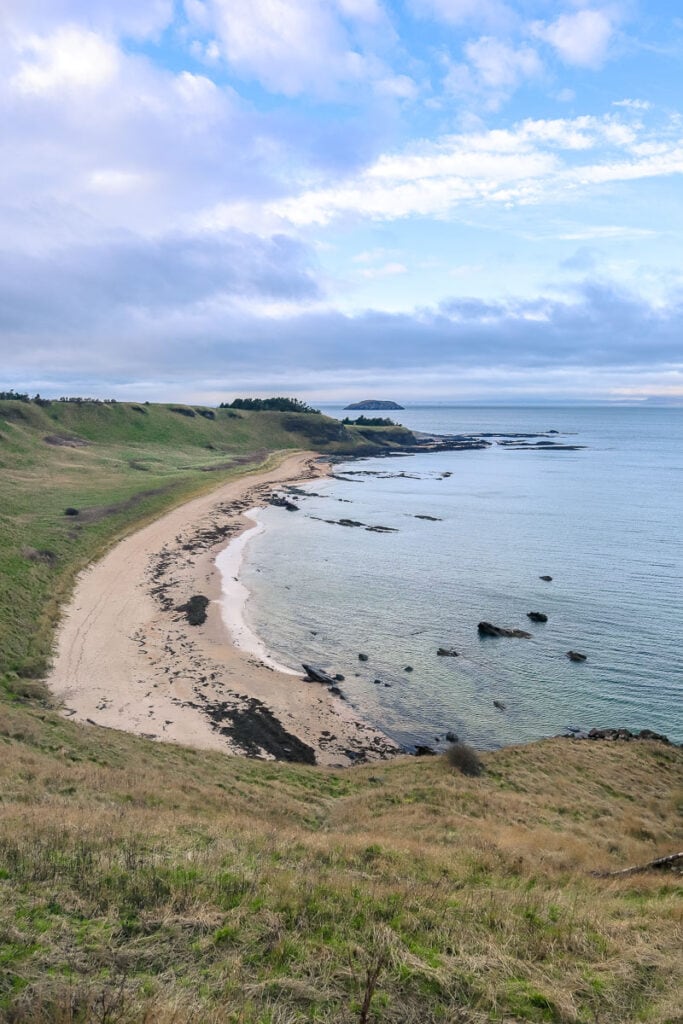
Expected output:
(137, 461)
(143, 882)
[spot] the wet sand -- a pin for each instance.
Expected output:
(128, 658)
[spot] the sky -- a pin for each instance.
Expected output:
(422, 200)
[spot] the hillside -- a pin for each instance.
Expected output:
(143, 882)
(119, 465)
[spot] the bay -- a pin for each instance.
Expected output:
(603, 521)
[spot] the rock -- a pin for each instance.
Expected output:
(349, 522)
(339, 677)
(363, 657)
(336, 692)
(576, 656)
(279, 502)
(431, 519)
(648, 734)
(70, 511)
(537, 616)
(499, 704)
(316, 675)
(373, 403)
(408, 668)
(547, 579)
(447, 652)
(617, 734)
(388, 684)
(423, 751)
(377, 681)
(381, 529)
(486, 629)
(451, 737)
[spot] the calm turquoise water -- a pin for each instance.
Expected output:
(604, 522)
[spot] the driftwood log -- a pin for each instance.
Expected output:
(674, 862)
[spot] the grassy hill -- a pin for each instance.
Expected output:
(119, 465)
(144, 883)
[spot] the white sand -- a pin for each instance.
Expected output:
(128, 659)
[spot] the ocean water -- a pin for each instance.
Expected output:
(604, 522)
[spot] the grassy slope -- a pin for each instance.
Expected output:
(139, 461)
(141, 882)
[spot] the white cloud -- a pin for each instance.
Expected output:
(113, 181)
(581, 39)
(386, 270)
(493, 13)
(493, 70)
(70, 59)
(138, 19)
(633, 104)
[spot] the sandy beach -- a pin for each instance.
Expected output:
(128, 658)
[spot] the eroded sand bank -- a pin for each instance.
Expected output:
(128, 659)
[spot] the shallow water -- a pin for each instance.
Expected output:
(604, 522)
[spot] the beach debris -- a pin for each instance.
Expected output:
(447, 652)
(363, 657)
(576, 656)
(546, 579)
(317, 675)
(537, 616)
(500, 705)
(487, 629)
(195, 609)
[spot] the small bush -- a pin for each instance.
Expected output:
(466, 760)
(70, 511)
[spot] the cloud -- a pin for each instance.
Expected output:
(581, 39)
(297, 47)
(70, 59)
(534, 161)
(135, 19)
(593, 340)
(493, 71)
(493, 13)
(385, 270)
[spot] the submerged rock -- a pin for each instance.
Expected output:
(447, 652)
(547, 579)
(537, 616)
(499, 704)
(487, 629)
(363, 657)
(576, 656)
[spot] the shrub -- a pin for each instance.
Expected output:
(466, 760)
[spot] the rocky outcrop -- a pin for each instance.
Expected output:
(373, 403)
(615, 734)
(317, 675)
(487, 629)
(447, 652)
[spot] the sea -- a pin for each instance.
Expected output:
(603, 520)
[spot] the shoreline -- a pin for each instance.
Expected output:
(128, 658)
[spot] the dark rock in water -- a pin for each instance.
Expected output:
(648, 734)
(553, 431)
(408, 668)
(486, 629)
(377, 681)
(447, 652)
(317, 675)
(576, 656)
(423, 751)
(349, 522)
(336, 692)
(537, 616)
(499, 704)
(547, 579)
(279, 502)
(381, 529)
(195, 609)
(431, 519)
(363, 657)
(451, 737)
(387, 684)
(339, 677)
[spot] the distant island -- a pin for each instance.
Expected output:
(373, 403)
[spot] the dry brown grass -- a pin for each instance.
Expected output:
(141, 882)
